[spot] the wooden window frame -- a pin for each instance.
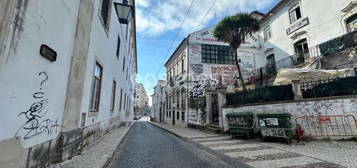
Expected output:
(112, 103)
(97, 97)
(118, 47)
(121, 99)
(293, 11)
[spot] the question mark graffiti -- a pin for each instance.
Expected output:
(44, 80)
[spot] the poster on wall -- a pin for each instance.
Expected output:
(248, 62)
(225, 74)
(205, 36)
(195, 54)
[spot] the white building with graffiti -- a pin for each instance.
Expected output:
(201, 63)
(67, 70)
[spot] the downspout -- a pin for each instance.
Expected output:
(188, 80)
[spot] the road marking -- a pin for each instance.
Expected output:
(202, 137)
(296, 161)
(222, 142)
(254, 154)
(212, 139)
(232, 147)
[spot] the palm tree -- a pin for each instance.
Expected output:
(234, 30)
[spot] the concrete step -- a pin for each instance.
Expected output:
(214, 128)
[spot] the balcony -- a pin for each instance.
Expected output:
(325, 49)
(292, 61)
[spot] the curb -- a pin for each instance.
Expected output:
(106, 164)
(169, 131)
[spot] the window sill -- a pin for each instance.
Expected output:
(93, 113)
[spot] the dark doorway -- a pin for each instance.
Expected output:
(271, 65)
(302, 51)
(173, 117)
(215, 109)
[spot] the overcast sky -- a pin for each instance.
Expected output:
(158, 22)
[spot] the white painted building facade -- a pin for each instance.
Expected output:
(294, 29)
(141, 99)
(158, 100)
(48, 56)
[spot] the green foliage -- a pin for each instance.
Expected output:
(234, 29)
(198, 103)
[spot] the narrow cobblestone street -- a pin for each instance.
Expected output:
(149, 146)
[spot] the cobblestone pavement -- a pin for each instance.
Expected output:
(96, 154)
(274, 155)
(147, 146)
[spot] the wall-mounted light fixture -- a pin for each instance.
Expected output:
(48, 53)
(124, 12)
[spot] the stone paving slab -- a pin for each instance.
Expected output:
(254, 154)
(97, 154)
(295, 161)
(233, 147)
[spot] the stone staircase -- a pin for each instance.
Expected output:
(214, 128)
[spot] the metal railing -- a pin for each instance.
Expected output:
(261, 95)
(329, 87)
(328, 125)
(327, 48)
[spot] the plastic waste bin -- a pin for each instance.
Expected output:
(241, 124)
(276, 125)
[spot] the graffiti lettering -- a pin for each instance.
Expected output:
(36, 123)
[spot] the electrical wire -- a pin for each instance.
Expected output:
(177, 33)
(204, 17)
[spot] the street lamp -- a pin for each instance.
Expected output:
(124, 12)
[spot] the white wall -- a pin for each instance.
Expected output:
(321, 107)
(326, 22)
(141, 99)
(44, 22)
(103, 50)
(158, 99)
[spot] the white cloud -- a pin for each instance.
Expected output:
(155, 17)
(143, 3)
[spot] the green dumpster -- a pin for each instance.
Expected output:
(241, 124)
(276, 125)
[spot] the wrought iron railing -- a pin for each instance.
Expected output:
(327, 48)
(291, 61)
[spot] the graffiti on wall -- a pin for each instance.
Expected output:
(36, 122)
(203, 78)
(197, 68)
(226, 74)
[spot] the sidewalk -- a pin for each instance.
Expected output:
(321, 154)
(184, 132)
(96, 155)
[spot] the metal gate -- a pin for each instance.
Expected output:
(329, 125)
